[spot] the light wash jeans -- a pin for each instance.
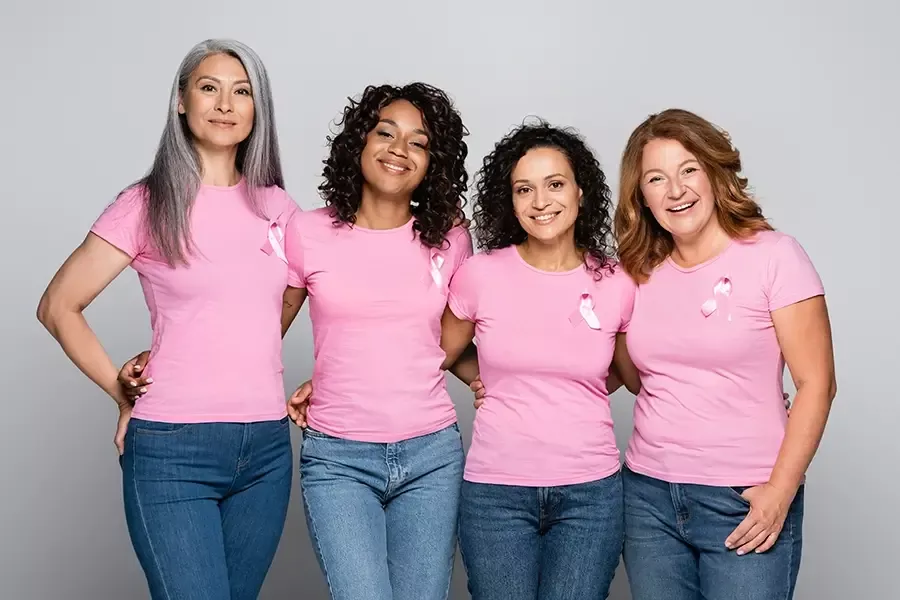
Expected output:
(382, 517)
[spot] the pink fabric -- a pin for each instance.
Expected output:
(376, 309)
(711, 409)
(216, 349)
(546, 418)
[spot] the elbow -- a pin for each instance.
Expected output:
(832, 389)
(45, 313)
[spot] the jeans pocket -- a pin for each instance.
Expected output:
(315, 433)
(735, 492)
(158, 427)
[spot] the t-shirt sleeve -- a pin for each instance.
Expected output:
(463, 296)
(293, 250)
(791, 276)
(629, 289)
(122, 223)
(460, 248)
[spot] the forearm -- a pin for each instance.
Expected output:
(805, 428)
(465, 368)
(288, 314)
(83, 348)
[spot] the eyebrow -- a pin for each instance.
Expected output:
(684, 162)
(394, 123)
(217, 80)
(545, 178)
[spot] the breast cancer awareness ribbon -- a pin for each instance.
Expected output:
(585, 312)
(274, 241)
(719, 300)
(436, 262)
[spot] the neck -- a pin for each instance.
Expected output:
(382, 211)
(701, 247)
(219, 166)
(558, 254)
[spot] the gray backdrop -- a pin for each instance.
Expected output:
(808, 90)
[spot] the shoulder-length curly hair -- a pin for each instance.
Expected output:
(643, 243)
(496, 225)
(437, 203)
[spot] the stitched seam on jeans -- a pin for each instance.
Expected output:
(315, 538)
(140, 508)
(787, 584)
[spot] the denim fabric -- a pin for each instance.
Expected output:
(205, 505)
(382, 517)
(544, 543)
(675, 544)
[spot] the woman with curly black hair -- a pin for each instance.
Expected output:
(541, 513)
(382, 459)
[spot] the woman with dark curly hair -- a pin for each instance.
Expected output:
(382, 459)
(541, 503)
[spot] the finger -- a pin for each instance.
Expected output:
(767, 545)
(480, 394)
(141, 360)
(478, 402)
(754, 543)
(755, 531)
(731, 542)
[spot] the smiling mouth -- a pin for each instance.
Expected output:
(225, 124)
(393, 167)
(682, 207)
(545, 218)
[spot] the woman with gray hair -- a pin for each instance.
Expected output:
(206, 461)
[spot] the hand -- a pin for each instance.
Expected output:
(759, 530)
(133, 384)
(478, 389)
(125, 408)
(298, 403)
(464, 222)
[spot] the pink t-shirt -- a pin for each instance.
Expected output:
(546, 418)
(375, 300)
(216, 349)
(711, 410)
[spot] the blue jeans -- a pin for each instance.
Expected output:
(382, 517)
(205, 505)
(675, 544)
(547, 543)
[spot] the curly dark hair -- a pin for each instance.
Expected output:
(496, 225)
(437, 203)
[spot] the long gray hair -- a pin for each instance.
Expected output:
(173, 181)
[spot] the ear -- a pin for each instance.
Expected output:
(580, 197)
(181, 110)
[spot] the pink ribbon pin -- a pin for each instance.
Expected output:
(436, 262)
(719, 301)
(585, 312)
(274, 241)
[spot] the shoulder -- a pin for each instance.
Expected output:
(459, 240)
(318, 219)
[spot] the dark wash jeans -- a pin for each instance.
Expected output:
(205, 505)
(541, 543)
(675, 544)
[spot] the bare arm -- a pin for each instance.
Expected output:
(804, 334)
(466, 366)
(456, 337)
(86, 273)
(292, 303)
(623, 368)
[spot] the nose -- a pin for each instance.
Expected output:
(223, 105)
(398, 147)
(675, 189)
(540, 200)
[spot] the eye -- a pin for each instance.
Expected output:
(420, 145)
(556, 185)
(208, 88)
(654, 179)
(243, 91)
(383, 134)
(690, 170)
(523, 190)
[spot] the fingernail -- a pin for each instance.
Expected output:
(133, 383)
(149, 380)
(740, 552)
(143, 390)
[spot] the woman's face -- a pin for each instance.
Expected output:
(546, 198)
(676, 189)
(395, 158)
(218, 103)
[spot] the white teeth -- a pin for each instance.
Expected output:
(394, 168)
(544, 218)
(682, 207)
